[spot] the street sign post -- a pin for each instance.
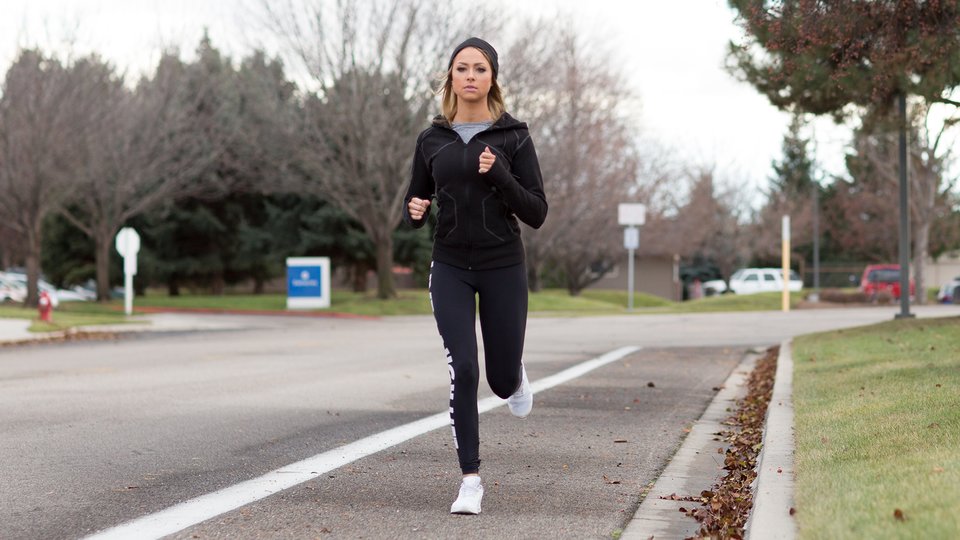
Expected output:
(631, 215)
(128, 245)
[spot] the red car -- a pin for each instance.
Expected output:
(882, 277)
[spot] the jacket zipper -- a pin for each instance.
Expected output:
(466, 189)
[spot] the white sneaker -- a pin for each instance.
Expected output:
(521, 401)
(468, 501)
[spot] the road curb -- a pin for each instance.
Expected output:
(259, 312)
(773, 498)
(694, 468)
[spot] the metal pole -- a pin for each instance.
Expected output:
(630, 280)
(904, 215)
(128, 293)
(815, 297)
(785, 248)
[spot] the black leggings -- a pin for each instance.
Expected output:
(503, 321)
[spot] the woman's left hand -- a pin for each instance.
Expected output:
(487, 158)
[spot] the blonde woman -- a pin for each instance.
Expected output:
(480, 166)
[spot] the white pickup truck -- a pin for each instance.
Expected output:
(757, 280)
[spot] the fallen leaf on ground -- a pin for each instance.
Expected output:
(650, 384)
(898, 515)
(609, 481)
(938, 469)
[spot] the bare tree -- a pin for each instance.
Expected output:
(928, 158)
(8, 244)
(144, 148)
(574, 102)
(37, 150)
(709, 223)
(371, 65)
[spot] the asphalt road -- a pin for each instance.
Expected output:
(95, 434)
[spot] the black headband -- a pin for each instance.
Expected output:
(483, 46)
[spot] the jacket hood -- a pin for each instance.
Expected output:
(504, 122)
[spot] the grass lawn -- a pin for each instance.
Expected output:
(734, 302)
(878, 430)
(68, 315)
(550, 302)
(409, 302)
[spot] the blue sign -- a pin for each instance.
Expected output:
(308, 282)
(304, 281)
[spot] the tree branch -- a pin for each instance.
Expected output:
(946, 101)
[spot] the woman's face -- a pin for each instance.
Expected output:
(472, 76)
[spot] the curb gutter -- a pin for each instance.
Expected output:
(773, 497)
(695, 467)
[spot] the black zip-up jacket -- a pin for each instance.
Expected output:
(477, 213)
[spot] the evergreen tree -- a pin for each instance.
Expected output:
(793, 174)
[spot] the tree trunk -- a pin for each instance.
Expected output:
(218, 285)
(359, 278)
(33, 267)
(258, 285)
(574, 281)
(384, 248)
(102, 263)
(173, 287)
(921, 248)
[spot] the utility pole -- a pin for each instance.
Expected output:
(904, 215)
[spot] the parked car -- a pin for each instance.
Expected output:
(11, 291)
(757, 280)
(950, 292)
(878, 278)
(77, 293)
(714, 287)
(18, 281)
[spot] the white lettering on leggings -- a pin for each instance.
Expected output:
(453, 425)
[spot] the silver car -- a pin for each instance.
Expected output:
(17, 286)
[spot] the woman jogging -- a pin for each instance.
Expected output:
(480, 165)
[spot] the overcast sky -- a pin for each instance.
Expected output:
(671, 52)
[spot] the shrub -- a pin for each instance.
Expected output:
(839, 296)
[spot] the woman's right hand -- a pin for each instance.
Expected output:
(418, 207)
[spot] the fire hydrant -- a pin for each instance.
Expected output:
(45, 307)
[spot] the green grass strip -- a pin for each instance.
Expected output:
(878, 430)
(68, 315)
(552, 302)
(549, 302)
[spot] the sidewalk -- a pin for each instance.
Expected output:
(15, 331)
(698, 464)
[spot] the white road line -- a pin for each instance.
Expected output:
(194, 511)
